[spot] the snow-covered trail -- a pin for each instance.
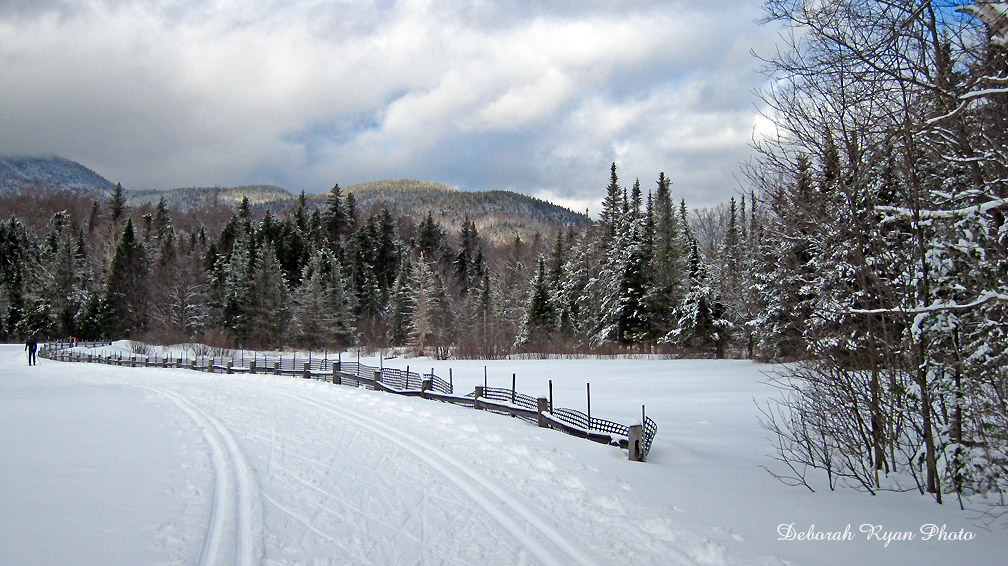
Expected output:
(300, 472)
(118, 465)
(236, 507)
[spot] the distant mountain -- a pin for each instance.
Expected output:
(498, 215)
(19, 173)
(195, 197)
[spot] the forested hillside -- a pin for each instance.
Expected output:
(18, 173)
(333, 276)
(194, 198)
(499, 215)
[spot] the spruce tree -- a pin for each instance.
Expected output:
(267, 304)
(335, 217)
(468, 270)
(540, 315)
(612, 205)
(117, 206)
(126, 290)
(423, 297)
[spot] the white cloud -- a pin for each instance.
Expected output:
(537, 97)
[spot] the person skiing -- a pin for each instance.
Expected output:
(31, 346)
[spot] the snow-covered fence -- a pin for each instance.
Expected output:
(636, 437)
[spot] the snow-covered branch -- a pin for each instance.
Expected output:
(983, 92)
(938, 306)
(897, 212)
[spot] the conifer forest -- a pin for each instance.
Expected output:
(868, 247)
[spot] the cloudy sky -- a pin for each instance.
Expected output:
(533, 96)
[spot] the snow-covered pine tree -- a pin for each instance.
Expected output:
(268, 304)
(321, 313)
(233, 287)
(702, 323)
(423, 296)
(612, 206)
(540, 318)
(399, 312)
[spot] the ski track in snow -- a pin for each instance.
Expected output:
(503, 509)
(236, 506)
(296, 473)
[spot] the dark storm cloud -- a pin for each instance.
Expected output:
(537, 97)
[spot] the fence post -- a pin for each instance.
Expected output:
(377, 379)
(164, 360)
(635, 436)
(229, 364)
(193, 363)
(542, 406)
(336, 378)
(476, 396)
(307, 370)
(252, 367)
(426, 385)
(276, 368)
(147, 361)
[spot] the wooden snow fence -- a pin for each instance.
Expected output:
(636, 438)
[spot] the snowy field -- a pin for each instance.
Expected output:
(124, 466)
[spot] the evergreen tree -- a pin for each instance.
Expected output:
(126, 290)
(17, 248)
(301, 213)
(63, 282)
(117, 207)
(322, 314)
(540, 315)
(636, 199)
(351, 212)
(423, 295)
(468, 261)
(161, 221)
(430, 239)
(612, 205)
(386, 253)
(94, 217)
(702, 322)
(268, 304)
(336, 225)
(235, 287)
(400, 308)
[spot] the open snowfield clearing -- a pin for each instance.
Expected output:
(116, 465)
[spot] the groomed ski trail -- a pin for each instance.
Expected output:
(237, 504)
(504, 510)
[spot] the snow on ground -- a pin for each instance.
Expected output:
(118, 465)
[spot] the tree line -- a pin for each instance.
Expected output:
(335, 276)
(884, 262)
